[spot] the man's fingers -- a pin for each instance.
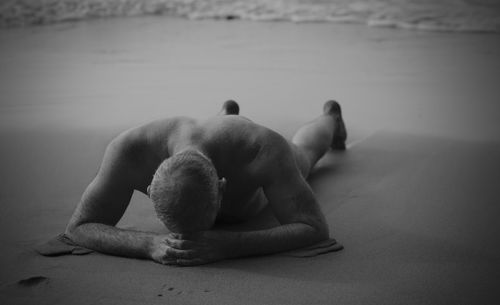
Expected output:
(180, 244)
(184, 262)
(191, 262)
(185, 236)
(172, 253)
(174, 235)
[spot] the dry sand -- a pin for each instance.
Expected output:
(414, 200)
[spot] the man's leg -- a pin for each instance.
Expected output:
(230, 107)
(314, 139)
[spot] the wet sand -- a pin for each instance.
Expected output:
(414, 200)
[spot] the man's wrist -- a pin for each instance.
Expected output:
(229, 244)
(151, 245)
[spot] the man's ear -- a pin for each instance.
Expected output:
(149, 191)
(222, 185)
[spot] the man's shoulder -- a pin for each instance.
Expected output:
(275, 154)
(143, 142)
(149, 132)
(242, 126)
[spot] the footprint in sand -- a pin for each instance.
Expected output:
(32, 281)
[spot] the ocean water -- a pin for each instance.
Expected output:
(428, 15)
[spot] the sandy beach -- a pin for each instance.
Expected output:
(414, 199)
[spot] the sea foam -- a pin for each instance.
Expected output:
(427, 15)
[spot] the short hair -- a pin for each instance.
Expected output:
(184, 191)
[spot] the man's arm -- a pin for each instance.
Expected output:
(295, 207)
(301, 222)
(103, 204)
(292, 201)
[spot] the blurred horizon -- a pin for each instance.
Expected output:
(423, 15)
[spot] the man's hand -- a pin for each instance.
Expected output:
(188, 249)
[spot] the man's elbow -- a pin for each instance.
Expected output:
(318, 228)
(322, 231)
(72, 229)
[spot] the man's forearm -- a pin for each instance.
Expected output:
(274, 240)
(112, 240)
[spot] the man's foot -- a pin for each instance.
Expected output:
(339, 132)
(230, 107)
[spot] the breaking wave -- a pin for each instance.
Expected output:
(428, 15)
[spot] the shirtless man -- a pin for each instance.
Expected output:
(226, 169)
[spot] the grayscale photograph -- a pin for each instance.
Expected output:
(249, 152)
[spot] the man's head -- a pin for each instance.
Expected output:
(186, 192)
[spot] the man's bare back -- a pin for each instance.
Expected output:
(260, 168)
(243, 152)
